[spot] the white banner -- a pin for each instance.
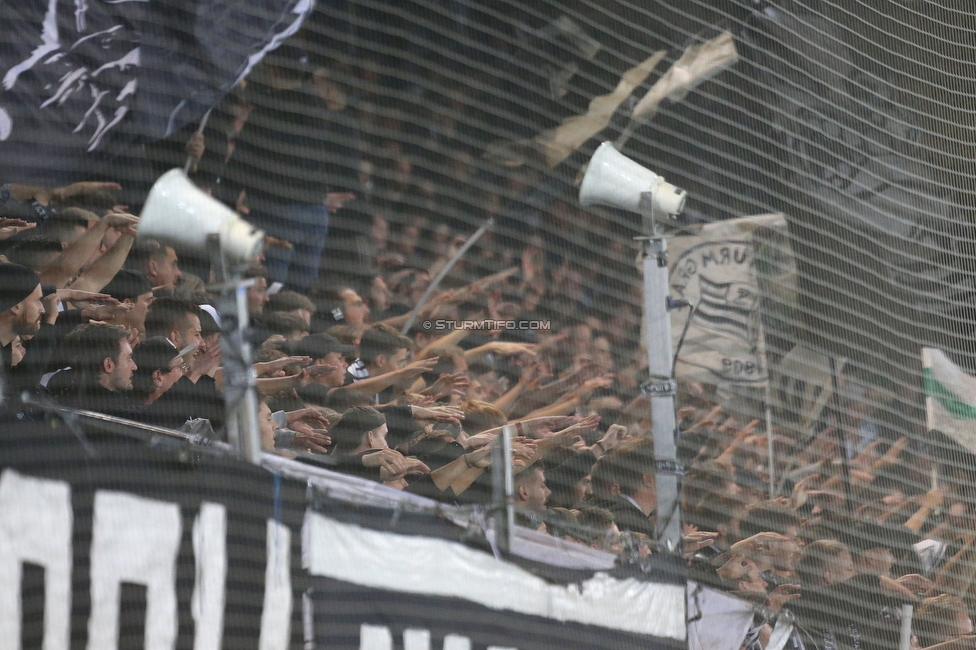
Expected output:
(424, 566)
(716, 620)
(716, 272)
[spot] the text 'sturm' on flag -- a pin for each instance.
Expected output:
(732, 274)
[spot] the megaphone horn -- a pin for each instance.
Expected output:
(614, 179)
(179, 213)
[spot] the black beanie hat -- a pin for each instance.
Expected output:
(354, 424)
(155, 353)
(17, 283)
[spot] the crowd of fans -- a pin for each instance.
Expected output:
(844, 546)
(94, 318)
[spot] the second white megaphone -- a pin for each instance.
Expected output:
(179, 213)
(614, 179)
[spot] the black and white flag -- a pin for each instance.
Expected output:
(80, 80)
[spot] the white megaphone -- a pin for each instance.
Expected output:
(614, 179)
(180, 214)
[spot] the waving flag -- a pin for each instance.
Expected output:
(950, 398)
(719, 337)
(80, 80)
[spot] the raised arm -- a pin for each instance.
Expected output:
(957, 574)
(101, 272)
(503, 348)
(73, 257)
(506, 402)
(453, 338)
(373, 385)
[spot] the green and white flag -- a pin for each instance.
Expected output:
(950, 398)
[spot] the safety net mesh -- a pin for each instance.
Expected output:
(823, 267)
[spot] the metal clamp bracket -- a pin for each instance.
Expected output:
(659, 387)
(670, 466)
(655, 247)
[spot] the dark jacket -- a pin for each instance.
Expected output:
(849, 615)
(627, 516)
(292, 149)
(185, 401)
(95, 397)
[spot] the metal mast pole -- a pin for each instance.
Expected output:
(661, 388)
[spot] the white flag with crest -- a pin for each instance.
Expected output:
(719, 337)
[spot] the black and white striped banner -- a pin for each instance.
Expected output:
(123, 546)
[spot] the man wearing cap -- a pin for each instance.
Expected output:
(361, 432)
(325, 350)
(360, 429)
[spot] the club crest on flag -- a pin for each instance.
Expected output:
(719, 337)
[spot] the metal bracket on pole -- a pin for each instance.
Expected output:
(503, 490)
(240, 393)
(659, 387)
(670, 466)
(655, 246)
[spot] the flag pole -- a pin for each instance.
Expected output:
(836, 367)
(203, 124)
(771, 461)
(443, 273)
(768, 408)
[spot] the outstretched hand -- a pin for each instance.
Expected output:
(445, 385)
(268, 368)
(10, 227)
(84, 188)
(450, 414)
(314, 440)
